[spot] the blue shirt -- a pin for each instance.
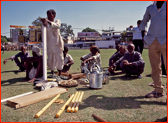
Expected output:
(157, 28)
(22, 56)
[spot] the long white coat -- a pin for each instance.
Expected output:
(55, 46)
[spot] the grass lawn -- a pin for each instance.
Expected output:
(122, 100)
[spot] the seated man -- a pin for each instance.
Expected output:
(111, 58)
(92, 57)
(34, 65)
(68, 61)
(116, 57)
(132, 62)
(23, 55)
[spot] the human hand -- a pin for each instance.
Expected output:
(82, 59)
(5, 61)
(44, 21)
(125, 62)
(131, 26)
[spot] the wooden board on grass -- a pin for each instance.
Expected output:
(36, 97)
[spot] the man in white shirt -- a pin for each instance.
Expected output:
(92, 57)
(55, 44)
(68, 60)
(137, 37)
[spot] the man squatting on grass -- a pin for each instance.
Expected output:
(156, 40)
(21, 64)
(115, 57)
(92, 57)
(55, 44)
(34, 65)
(132, 62)
(68, 60)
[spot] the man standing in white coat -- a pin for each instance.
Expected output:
(55, 44)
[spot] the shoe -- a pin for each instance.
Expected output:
(127, 75)
(139, 76)
(153, 94)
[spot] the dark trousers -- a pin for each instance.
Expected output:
(21, 66)
(66, 68)
(139, 45)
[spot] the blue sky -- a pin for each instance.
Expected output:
(79, 14)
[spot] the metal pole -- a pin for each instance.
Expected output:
(44, 39)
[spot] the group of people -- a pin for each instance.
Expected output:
(127, 59)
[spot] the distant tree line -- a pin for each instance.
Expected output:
(4, 39)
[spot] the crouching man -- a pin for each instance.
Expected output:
(132, 62)
(91, 58)
(68, 60)
(34, 65)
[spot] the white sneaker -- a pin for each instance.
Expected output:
(139, 76)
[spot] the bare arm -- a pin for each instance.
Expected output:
(5, 61)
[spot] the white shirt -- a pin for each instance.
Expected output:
(136, 33)
(158, 25)
(96, 59)
(67, 58)
(54, 39)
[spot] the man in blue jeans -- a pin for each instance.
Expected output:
(156, 40)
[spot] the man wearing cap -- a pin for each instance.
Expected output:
(92, 57)
(23, 55)
(34, 65)
(55, 44)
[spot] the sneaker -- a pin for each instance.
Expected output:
(153, 94)
(139, 76)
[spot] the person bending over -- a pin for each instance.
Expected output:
(34, 65)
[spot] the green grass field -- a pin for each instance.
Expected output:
(122, 100)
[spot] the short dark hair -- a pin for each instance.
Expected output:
(65, 48)
(139, 21)
(51, 11)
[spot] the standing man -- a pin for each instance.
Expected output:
(55, 44)
(137, 37)
(156, 40)
(20, 63)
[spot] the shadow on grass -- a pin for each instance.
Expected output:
(149, 75)
(14, 71)
(112, 103)
(161, 120)
(12, 81)
(113, 77)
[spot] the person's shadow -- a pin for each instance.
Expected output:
(13, 81)
(113, 103)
